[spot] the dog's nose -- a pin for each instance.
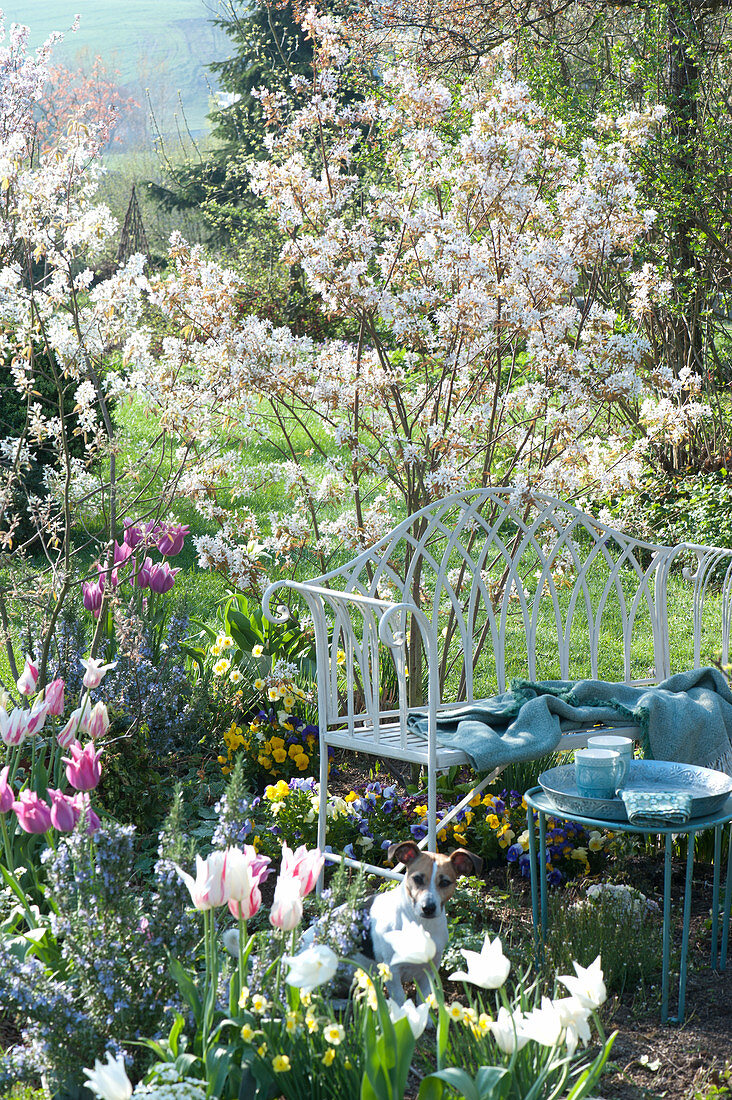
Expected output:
(429, 908)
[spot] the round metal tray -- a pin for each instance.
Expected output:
(708, 789)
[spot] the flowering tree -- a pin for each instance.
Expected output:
(63, 488)
(90, 95)
(462, 246)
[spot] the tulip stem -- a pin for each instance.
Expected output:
(6, 844)
(243, 937)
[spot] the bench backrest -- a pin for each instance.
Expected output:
(513, 583)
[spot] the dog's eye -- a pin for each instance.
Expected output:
(444, 882)
(418, 880)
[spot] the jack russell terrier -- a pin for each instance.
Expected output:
(420, 897)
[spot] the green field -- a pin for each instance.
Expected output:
(158, 48)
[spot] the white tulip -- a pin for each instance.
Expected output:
(110, 1081)
(588, 986)
(312, 967)
(575, 1020)
(508, 1031)
(417, 1015)
(487, 968)
(411, 944)
(543, 1024)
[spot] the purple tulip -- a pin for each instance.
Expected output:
(133, 533)
(34, 815)
(92, 596)
(170, 541)
(82, 805)
(141, 578)
(7, 798)
(162, 577)
(121, 553)
(64, 814)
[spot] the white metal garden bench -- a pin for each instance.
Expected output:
(482, 586)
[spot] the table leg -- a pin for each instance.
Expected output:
(679, 1017)
(727, 904)
(666, 942)
(715, 894)
(542, 874)
(538, 941)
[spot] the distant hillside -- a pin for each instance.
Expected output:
(160, 47)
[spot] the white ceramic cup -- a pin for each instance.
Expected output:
(599, 772)
(623, 745)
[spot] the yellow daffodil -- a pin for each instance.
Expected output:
(281, 1063)
(329, 1057)
(257, 651)
(247, 1033)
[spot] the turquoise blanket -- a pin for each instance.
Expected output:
(687, 718)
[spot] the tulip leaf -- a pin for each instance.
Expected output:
(587, 1080)
(490, 1083)
(187, 987)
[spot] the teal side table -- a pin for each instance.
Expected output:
(540, 805)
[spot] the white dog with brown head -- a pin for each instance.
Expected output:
(420, 899)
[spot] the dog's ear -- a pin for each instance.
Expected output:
(465, 862)
(404, 851)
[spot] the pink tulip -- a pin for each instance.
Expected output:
(207, 888)
(82, 808)
(28, 679)
(34, 815)
(64, 814)
(162, 577)
(36, 717)
(170, 541)
(98, 721)
(92, 596)
(13, 726)
(244, 872)
(78, 723)
(302, 865)
(286, 911)
(7, 798)
(94, 671)
(55, 697)
(83, 769)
